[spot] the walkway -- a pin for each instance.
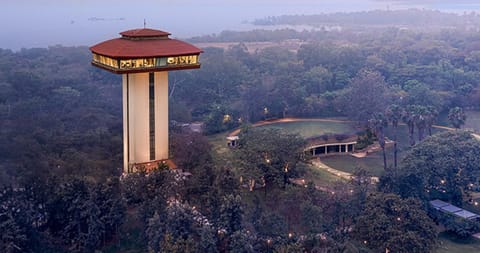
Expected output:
(341, 174)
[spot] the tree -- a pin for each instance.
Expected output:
(241, 242)
(180, 228)
(81, 213)
(457, 117)
(111, 206)
(231, 213)
(408, 117)
(394, 115)
(269, 155)
(442, 166)
(190, 150)
(271, 225)
(12, 237)
(399, 225)
(15, 218)
(367, 95)
(430, 118)
(317, 80)
(420, 120)
(312, 218)
(378, 123)
(419, 93)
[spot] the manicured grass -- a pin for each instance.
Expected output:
(373, 163)
(319, 176)
(312, 128)
(448, 244)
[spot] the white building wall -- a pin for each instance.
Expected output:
(138, 117)
(125, 122)
(136, 142)
(161, 115)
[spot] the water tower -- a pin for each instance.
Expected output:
(143, 57)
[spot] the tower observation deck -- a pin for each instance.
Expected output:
(143, 57)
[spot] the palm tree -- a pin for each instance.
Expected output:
(408, 117)
(394, 115)
(420, 120)
(457, 117)
(431, 118)
(377, 124)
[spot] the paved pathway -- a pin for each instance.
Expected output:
(341, 174)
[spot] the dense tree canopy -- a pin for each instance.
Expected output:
(269, 155)
(442, 166)
(399, 225)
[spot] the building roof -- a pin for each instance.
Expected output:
(143, 43)
(145, 32)
(466, 214)
(438, 203)
(451, 209)
(331, 139)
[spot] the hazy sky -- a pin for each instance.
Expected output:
(40, 23)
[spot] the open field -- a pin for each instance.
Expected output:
(291, 45)
(320, 177)
(308, 129)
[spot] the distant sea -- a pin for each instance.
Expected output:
(43, 23)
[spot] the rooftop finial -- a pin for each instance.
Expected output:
(144, 23)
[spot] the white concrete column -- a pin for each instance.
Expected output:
(126, 159)
(161, 115)
(139, 118)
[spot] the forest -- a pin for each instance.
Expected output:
(416, 19)
(61, 147)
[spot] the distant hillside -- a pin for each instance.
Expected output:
(414, 18)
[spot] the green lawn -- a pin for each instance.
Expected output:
(319, 176)
(312, 128)
(373, 163)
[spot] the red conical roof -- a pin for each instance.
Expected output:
(142, 43)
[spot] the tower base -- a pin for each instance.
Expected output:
(152, 165)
